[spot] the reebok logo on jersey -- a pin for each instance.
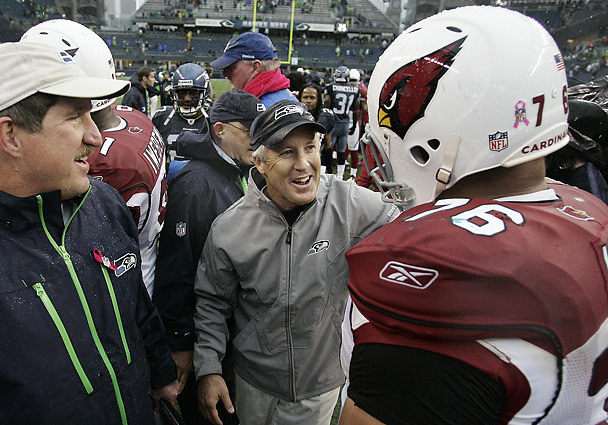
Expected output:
(404, 274)
(124, 264)
(318, 246)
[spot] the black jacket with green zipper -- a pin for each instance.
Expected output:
(81, 341)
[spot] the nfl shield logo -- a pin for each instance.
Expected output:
(498, 141)
(180, 229)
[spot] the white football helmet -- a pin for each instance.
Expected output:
(89, 51)
(463, 91)
(354, 75)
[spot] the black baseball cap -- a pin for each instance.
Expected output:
(236, 105)
(274, 124)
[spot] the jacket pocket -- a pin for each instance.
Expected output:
(50, 308)
(247, 341)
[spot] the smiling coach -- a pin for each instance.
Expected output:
(275, 261)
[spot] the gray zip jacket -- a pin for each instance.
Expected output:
(285, 286)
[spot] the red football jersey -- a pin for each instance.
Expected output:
(132, 160)
(515, 287)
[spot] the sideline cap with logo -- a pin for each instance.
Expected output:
(273, 125)
(247, 46)
(236, 105)
(31, 67)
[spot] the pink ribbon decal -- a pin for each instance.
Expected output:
(100, 258)
(520, 114)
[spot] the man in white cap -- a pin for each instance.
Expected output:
(132, 157)
(84, 344)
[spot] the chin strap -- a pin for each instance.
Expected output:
(444, 173)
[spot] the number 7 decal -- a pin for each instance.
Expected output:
(541, 101)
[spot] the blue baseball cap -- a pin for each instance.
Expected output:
(247, 46)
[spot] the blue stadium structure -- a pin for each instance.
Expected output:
(326, 33)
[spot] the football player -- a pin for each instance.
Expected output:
(132, 156)
(354, 117)
(189, 91)
(484, 302)
(342, 97)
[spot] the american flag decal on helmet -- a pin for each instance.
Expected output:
(559, 61)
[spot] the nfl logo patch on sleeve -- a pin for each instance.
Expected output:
(180, 229)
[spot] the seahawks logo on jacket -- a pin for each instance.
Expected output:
(125, 263)
(318, 246)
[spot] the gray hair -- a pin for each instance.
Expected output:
(261, 153)
(271, 64)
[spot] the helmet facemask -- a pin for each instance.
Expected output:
(189, 90)
(189, 101)
(398, 193)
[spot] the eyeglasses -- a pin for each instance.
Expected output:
(244, 130)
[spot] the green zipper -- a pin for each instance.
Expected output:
(83, 301)
(64, 335)
(116, 312)
(243, 183)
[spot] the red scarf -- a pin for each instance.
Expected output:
(267, 82)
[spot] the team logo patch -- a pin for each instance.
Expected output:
(134, 130)
(407, 275)
(124, 264)
(317, 247)
(410, 89)
(65, 57)
(180, 229)
(520, 114)
(574, 213)
(498, 141)
(288, 110)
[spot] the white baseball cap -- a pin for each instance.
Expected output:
(31, 68)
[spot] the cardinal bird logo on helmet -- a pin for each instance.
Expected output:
(408, 91)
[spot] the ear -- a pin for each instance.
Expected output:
(9, 145)
(259, 165)
(257, 67)
(218, 128)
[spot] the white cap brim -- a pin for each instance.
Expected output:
(32, 67)
(88, 88)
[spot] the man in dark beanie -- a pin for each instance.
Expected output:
(212, 180)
